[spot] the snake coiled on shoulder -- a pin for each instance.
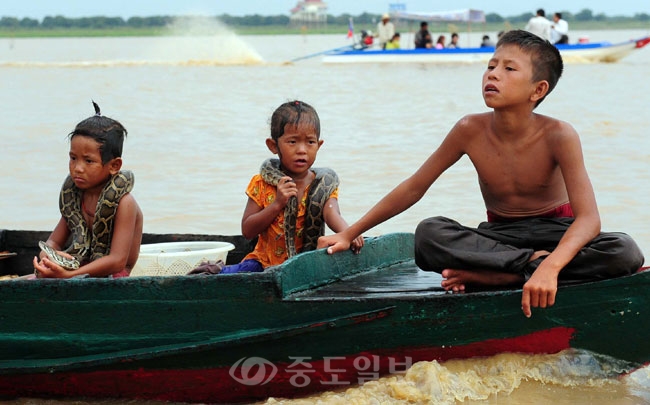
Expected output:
(88, 245)
(323, 185)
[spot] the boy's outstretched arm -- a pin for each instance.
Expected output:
(541, 289)
(398, 200)
(335, 221)
(404, 195)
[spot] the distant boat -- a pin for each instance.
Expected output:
(573, 53)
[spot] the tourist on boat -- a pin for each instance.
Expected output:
(423, 37)
(366, 39)
(453, 43)
(289, 203)
(486, 42)
(543, 227)
(539, 25)
(440, 43)
(394, 42)
(385, 30)
(98, 213)
(559, 30)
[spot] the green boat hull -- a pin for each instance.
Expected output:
(315, 323)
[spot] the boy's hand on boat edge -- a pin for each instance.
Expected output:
(334, 243)
(357, 244)
(539, 291)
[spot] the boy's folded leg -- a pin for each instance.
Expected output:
(246, 266)
(442, 243)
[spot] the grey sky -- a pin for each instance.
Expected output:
(128, 8)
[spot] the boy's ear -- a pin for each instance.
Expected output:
(541, 90)
(272, 145)
(115, 165)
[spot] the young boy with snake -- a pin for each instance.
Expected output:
(98, 212)
(543, 225)
(289, 202)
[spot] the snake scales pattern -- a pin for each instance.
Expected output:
(323, 185)
(88, 245)
(65, 262)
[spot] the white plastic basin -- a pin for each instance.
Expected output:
(177, 258)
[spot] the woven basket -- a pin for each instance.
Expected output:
(177, 258)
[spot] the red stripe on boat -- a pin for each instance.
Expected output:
(642, 42)
(219, 384)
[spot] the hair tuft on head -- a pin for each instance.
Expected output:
(106, 131)
(96, 106)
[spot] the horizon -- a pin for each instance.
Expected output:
(39, 9)
(190, 14)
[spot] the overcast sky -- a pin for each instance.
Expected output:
(38, 9)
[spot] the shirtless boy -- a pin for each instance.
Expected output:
(98, 213)
(543, 223)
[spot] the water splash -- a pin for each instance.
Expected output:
(187, 41)
(206, 41)
(480, 379)
(638, 383)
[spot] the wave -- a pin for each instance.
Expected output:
(512, 378)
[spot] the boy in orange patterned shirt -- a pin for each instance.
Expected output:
(295, 138)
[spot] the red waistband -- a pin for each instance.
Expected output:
(562, 211)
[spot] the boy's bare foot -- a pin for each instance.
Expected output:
(455, 280)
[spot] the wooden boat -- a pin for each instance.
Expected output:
(571, 53)
(317, 322)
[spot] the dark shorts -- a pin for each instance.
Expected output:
(442, 243)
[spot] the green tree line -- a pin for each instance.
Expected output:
(256, 20)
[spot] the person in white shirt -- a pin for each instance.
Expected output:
(539, 25)
(559, 30)
(385, 30)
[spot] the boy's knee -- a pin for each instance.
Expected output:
(631, 256)
(432, 227)
(625, 256)
(429, 236)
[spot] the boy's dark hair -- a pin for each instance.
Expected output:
(541, 13)
(106, 131)
(546, 59)
(293, 113)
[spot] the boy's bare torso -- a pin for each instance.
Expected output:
(518, 172)
(134, 250)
